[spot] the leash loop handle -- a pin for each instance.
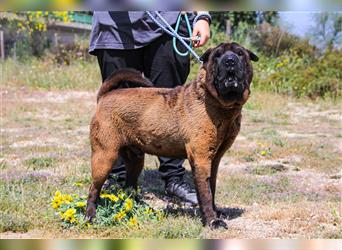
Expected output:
(169, 30)
(174, 39)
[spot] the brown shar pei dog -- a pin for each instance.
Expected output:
(199, 121)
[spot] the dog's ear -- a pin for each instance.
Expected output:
(252, 56)
(205, 57)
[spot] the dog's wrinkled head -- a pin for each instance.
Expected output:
(229, 70)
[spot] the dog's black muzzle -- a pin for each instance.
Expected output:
(230, 74)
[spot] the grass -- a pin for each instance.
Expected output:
(45, 147)
(47, 75)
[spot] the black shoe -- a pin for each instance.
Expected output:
(181, 190)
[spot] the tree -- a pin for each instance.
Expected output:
(248, 17)
(327, 30)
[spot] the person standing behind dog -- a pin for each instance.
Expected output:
(132, 40)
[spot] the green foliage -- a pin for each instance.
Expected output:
(40, 162)
(3, 165)
(296, 75)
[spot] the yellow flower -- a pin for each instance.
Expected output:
(111, 197)
(80, 204)
(57, 200)
(128, 204)
(67, 198)
(78, 184)
(103, 195)
(279, 65)
(148, 211)
(56, 204)
(133, 221)
(119, 215)
(159, 215)
(69, 215)
(263, 153)
(121, 195)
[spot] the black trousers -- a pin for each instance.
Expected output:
(158, 62)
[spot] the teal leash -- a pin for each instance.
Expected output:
(173, 32)
(174, 39)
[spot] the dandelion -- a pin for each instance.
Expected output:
(128, 204)
(133, 221)
(118, 216)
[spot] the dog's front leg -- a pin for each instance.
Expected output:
(201, 169)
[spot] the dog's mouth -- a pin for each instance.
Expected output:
(231, 80)
(230, 86)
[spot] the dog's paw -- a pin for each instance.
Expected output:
(217, 224)
(90, 214)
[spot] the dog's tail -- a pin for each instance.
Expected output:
(123, 78)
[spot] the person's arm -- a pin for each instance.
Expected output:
(201, 28)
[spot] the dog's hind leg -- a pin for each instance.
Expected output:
(134, 162)
(101, 164)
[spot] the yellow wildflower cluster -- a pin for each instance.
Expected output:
(111, 197)
(60, 199)
(64, 15)
(38, 20)
(116, 209)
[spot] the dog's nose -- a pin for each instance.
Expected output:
(230, 61)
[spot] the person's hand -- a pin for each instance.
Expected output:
(202, 30)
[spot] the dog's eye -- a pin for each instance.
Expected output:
(240, 53)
